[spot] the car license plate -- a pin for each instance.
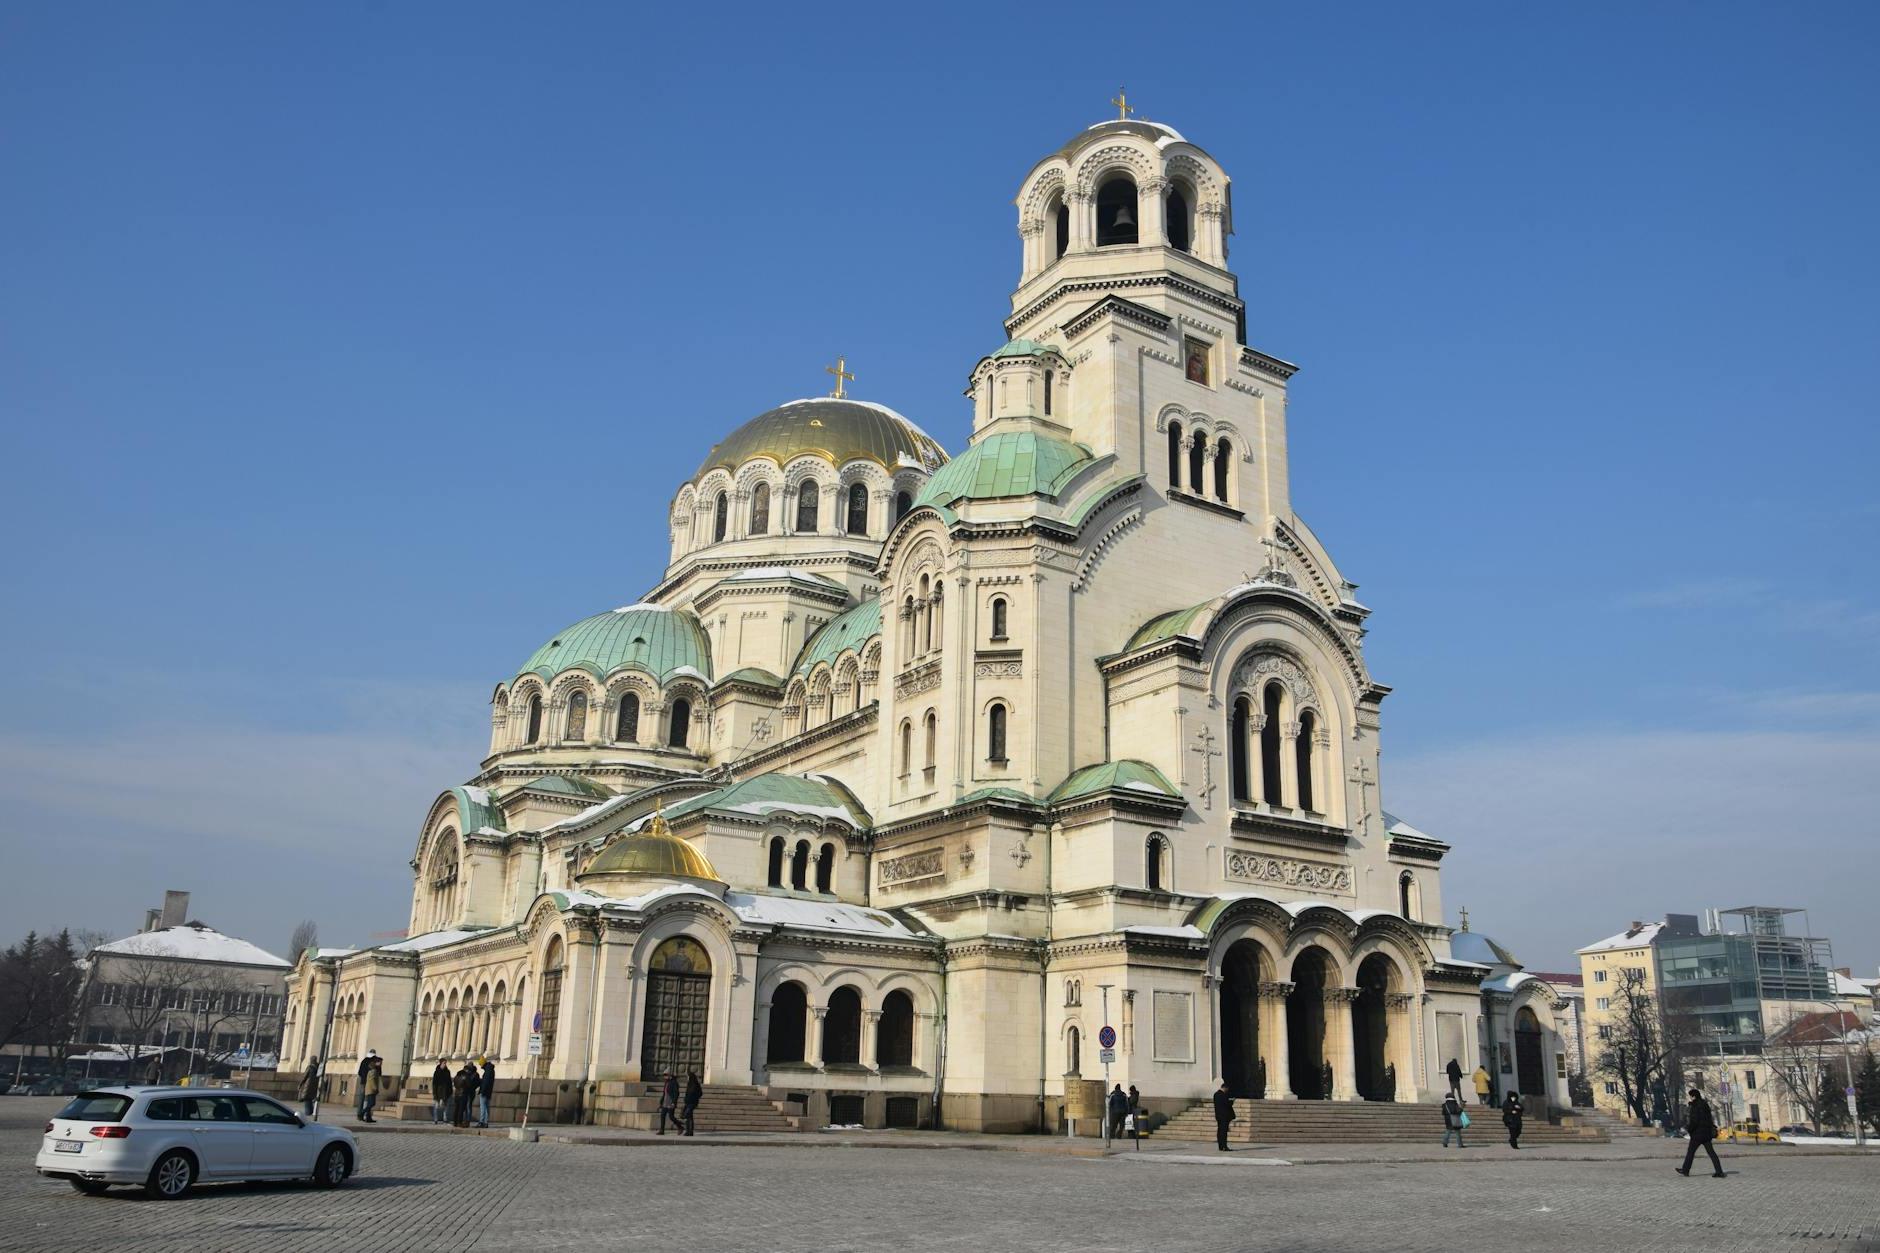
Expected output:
(67, 1146)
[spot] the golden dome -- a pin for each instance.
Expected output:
(655, 853)
(838, 431)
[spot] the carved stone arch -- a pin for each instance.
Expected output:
(923, 525)
(1257, 914)
(526, 686)
(567, 683)
(811, 467)
(1263, 663)
(866, 472)
(1045, 183)
(1196, 173)
(1328, 929)
(1407, 945)
(1171, 412)
(684, 503)
(1257, 605)
(789, 972)
(862, 980)
(622, 681)
(715, 480)
(758, 470)
(542, 918)
(1129, 157)
(685, 688)
(916, 988)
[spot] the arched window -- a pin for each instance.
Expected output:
(995, 733)
(681, 728)
(936, 624)
(1061, 225)
(1238, 729)
(825, 868)
(535, 717)
(857, 523)
(1155, 858)
(1406, 888)
(1180, 220)
(721, 516)
(933, 736)
(902, 503)
(577, 717)
(1197, 464)
(1302, 758)
(1269, 747)
(907, 748)
(1049, 376)
(789, 1015)
(1073, 1051)
(1174, 454)
(1223, 454)
(627, 721)
(807, 497)
(998, 617)
(1116, 211)
(799, 866)
(760, 509)
(894, 1035)
(842, 1028)
(550, 1002)
(921, 612)
(775, 878)
(908, 616)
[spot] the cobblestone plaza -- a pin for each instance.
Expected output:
(423, 1191)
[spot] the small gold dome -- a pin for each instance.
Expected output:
(838, 431)
(655, 853)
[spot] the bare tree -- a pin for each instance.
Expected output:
(1642, 1051)
(306, 936)
(157, 1001)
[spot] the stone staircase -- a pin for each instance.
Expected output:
(1362, 1122)
(1616, 1126)
(722, 1108)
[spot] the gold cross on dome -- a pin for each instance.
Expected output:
(840, 370)
(1122, 106)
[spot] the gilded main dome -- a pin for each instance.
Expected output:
(838, 431)
(655, 853)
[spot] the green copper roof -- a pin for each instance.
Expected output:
(658, 640)
(849, 629)
(1009, 463)
(1127, 775)
(997, 793)
(476, 810)
(569, 785)
(1023, 348)
(771, 793)
(838, 431)
(1165, 626)
(751, 674)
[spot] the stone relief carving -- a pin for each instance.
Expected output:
(999, 670)
(1259, 868)
(1253, 669)
(925, 864)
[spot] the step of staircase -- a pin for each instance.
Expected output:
(721, 1108)
(1358, 1122)
(1616, 1126)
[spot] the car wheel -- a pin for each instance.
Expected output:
(333, 1168)
(172, 1177)
(90, 1187)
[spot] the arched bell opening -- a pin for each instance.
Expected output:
(1118, 212)
(1305, 1025)
(1180, 219)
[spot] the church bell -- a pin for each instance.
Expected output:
(1124, 216)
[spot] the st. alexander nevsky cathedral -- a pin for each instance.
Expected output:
(915, 771)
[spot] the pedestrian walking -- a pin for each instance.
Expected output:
(1119, 1107)
(669, 1104)
(1701, 1126)
(694, 1093)
(1454, 1071)
(486, 1088)
(1454, 1120)
(463, 1091)
(440, 1093)
(1511, 1118)
(1223, 1115)
(1483, 1086)
(369, 1069)
(310, 1087)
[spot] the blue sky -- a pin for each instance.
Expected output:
(348, 352)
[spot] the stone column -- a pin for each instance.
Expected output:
(926, 1039)
(1274, 1046)
(871, 1033)
(1083, 222)
(1256, 762)
(1400, 1045)
(1289, 764)
(814, 1054)
(1338, 1042)
(1152, 213)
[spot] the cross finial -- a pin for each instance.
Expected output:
(1465, 917)
(840, 370)
(1122, 106)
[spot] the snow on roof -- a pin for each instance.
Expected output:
(1393, 825)
(480, 795)
(643, 605)
(590, 813)
(1507, 982)
(429, 940)
(1179, 933)
(1846, 986)
(1627, 939)
(192, 941)
(763, 910)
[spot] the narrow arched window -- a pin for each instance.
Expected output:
(857, 521)
(902, 503)
(1302, 758)
(1197, 463)
(1073, 1052)
(1180, 220)
(1223, 454)
(799, 865)
(825, 868)
(721, 516)
(775, 875)
(907, 748)
(1405, 882)
(577, 716)
(681, 728)
(1049, 378)
(807, 497)
(995, 733)
(935, 623)
(1152, 870)
(535, 717)
(998, 617)
(908, 616)
(1269, 747)
(1239, 727)
(1116, 212)
(1061, 224)
(1174, 454)
(933, 737)
(926, 618)
(760, 509)
(627, 721)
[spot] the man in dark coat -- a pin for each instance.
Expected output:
(1701, 1126)
(310, 1087)
(370, 1067)
(1454, 1071)
(694, 1092)
(486, 1088)
(440, 1092)
(1223, 1115)
(463, 1090)
(669, 1103)
(1119, 1107)
(1452, 1120)
(1511, 1111)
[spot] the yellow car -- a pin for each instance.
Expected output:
(1750, 1132)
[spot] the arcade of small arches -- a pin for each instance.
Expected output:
(578, 710)
(1279, 746)
(1123, 196)
(841, 1021)
(800, 867)
(480, 1019)
(1200, 464)
(809, 497)
(833, 688)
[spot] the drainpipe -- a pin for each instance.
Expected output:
(594, 1026)
(1044, 985)
(940, 1043)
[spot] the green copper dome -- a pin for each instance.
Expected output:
(838, 431)
(1010, 463)
(660, 641)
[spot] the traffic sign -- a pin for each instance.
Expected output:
(535, 1044)
(1106, 1056)
(538, 1021)
(1107, 1037)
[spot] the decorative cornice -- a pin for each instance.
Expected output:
(1255, 359)
(1114, 306)
(1159, 282)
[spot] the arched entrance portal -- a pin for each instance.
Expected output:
(1305, 1025)
(1529, 1062)
(678, 1008)
(1240, 1019)
(1370, 1029)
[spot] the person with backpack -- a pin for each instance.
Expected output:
(1701, 1126)
(1454, 1120)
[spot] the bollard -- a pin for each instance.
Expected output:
(528, 1135)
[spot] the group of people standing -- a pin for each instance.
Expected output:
(463, 1099)
(670, 1108)
(1456, 1119)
